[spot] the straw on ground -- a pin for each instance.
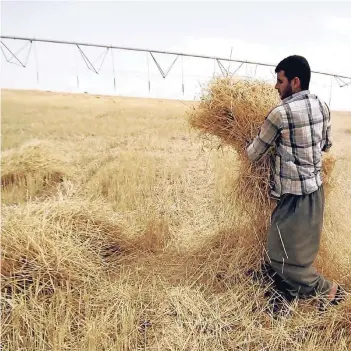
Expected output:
(140, 244)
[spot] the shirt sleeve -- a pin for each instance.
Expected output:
(269, 132)
(328, 139)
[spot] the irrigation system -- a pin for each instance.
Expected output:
(14, 58)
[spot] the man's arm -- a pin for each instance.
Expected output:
(269, 132)
(328, 140)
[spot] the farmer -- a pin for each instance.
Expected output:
(299, 129)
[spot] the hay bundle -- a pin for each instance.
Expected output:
(31, 171)
(46, 245)
(233, 110)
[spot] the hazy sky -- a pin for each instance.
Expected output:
(259, 31)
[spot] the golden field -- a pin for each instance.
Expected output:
(119, 232)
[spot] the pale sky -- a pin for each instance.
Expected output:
(258, 31)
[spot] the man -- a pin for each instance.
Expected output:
(299, 128)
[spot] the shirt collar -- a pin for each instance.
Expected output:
(293, 96)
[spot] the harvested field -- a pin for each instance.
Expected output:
(120, 232)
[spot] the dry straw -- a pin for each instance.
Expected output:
(30, 172)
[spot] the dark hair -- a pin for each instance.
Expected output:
(296, 66)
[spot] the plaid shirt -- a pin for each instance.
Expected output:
(300, 129)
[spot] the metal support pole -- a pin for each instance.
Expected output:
(86, 60)
(148, 71)
(163, 74)
(222, 68)
(36, 61)
(12, 55)
(230, 58)
(330, 90)
(103, 59)
(238, 68)
(181, 61)
(344, 84)
(273, 75)
(113, 70)
(15, 55)
(76, 68)
(89, 64)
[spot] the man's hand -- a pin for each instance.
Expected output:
(326, 149)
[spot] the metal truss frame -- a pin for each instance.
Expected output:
(96, 68)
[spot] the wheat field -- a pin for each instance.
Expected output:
(119, 232)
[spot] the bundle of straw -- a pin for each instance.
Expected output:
(31, 171)
(233, 110)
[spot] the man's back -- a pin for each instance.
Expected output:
(301, 129)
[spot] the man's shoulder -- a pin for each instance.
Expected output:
(275, 116)
(274, 113)
(301, 99)
(276, 110)
(300, 102)
(288, 107)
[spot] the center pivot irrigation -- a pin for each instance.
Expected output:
(97, 64)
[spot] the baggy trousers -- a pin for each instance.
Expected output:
(293, 243)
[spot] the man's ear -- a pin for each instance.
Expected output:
(296, 83)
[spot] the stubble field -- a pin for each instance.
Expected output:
(119, 233)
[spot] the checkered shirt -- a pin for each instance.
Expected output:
(299, 128)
